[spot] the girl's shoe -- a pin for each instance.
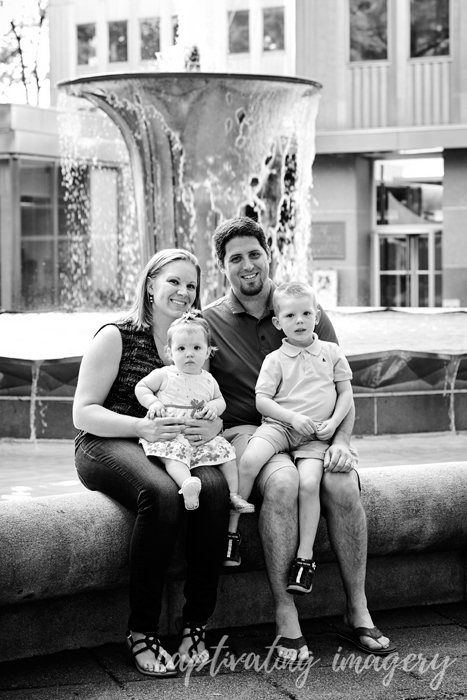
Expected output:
(239, 505)
(233, 558)
(197, 634)
(190, 492)
(301, 576)
(161, 657)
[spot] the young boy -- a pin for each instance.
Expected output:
(303, 392)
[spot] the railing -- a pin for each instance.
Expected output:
(427, 89)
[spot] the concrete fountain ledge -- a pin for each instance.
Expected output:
(64, 562)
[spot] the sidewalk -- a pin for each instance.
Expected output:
(431, 662)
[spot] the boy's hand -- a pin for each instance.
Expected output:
(156, 410)
(303, 425)
(325, 430)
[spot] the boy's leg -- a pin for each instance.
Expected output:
(258, 452)
(310, 473)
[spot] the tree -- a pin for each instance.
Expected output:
(23, 50)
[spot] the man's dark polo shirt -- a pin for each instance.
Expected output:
(243, 342)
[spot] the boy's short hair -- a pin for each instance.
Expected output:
(238, 227)
(292, 289)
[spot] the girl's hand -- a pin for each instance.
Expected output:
(208, 413)
(153, 429)
(156, 409)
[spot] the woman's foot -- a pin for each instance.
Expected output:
(192, 647)
(239, 505)
(190, 492)
(150, 658)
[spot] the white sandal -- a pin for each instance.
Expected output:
(190, 492)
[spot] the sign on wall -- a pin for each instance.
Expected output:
(328, 240)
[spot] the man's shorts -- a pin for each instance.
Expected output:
(239, 437)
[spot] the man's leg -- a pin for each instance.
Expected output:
(346, 523)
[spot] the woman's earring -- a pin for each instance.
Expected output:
(150, 297)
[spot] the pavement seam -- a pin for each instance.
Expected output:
(107, 670)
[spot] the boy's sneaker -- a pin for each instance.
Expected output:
(233, 557)
(239, 505)
(301, 576)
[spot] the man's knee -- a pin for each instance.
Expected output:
(340, 488)
(282, 485)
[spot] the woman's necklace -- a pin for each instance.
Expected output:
(160, 341)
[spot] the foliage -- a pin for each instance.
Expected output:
(23, 49)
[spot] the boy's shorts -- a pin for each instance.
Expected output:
(239, 437)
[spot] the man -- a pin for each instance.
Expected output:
(243, 332)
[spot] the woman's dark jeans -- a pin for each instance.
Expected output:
(120, 469)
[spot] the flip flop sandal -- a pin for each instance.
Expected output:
(289, 643)
(197, 634)
(353, 636)
(151, 642)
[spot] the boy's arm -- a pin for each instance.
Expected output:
(268, 407)
(344, 401)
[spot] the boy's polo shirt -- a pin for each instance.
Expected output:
(303, 379)
(243, 341)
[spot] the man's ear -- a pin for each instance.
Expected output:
(220, 265)
(318, 316)
(276, 323)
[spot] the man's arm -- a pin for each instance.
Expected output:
(338, 458)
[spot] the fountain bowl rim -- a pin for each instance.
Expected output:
(100, 77)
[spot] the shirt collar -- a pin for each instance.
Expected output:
(294, 350)
(237, 307)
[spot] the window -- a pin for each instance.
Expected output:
(429, 28)
(86, 38)
(118, 43)
(273, 29)
(150, 38)
(239, 31)
(43, 234)
(368, 30)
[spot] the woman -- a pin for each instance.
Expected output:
(109, 459)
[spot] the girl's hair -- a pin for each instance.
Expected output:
(191, 320)
(140, 311)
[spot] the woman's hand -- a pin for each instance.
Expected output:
(153, 429)
(199, 431)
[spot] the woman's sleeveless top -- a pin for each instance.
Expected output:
(139, 358)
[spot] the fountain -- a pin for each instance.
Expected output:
(204, 147)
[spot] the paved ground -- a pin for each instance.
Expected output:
(430, 662)
(45, 467)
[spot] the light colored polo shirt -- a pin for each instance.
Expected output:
(242, 343)
(303, 379)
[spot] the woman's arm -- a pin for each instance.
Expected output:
(98, 371)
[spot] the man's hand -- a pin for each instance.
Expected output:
(338, 458)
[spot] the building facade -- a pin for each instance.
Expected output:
(390, 173)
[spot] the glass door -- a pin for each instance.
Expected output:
(409, 268)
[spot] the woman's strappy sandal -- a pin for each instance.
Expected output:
(161, 656)
(197, 634)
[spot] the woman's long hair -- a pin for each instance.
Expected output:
(140, 311)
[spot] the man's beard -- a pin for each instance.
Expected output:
(253, 289)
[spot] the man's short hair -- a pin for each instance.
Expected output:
(292, 289)
(238, 227)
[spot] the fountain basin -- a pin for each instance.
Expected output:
(410, 369)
